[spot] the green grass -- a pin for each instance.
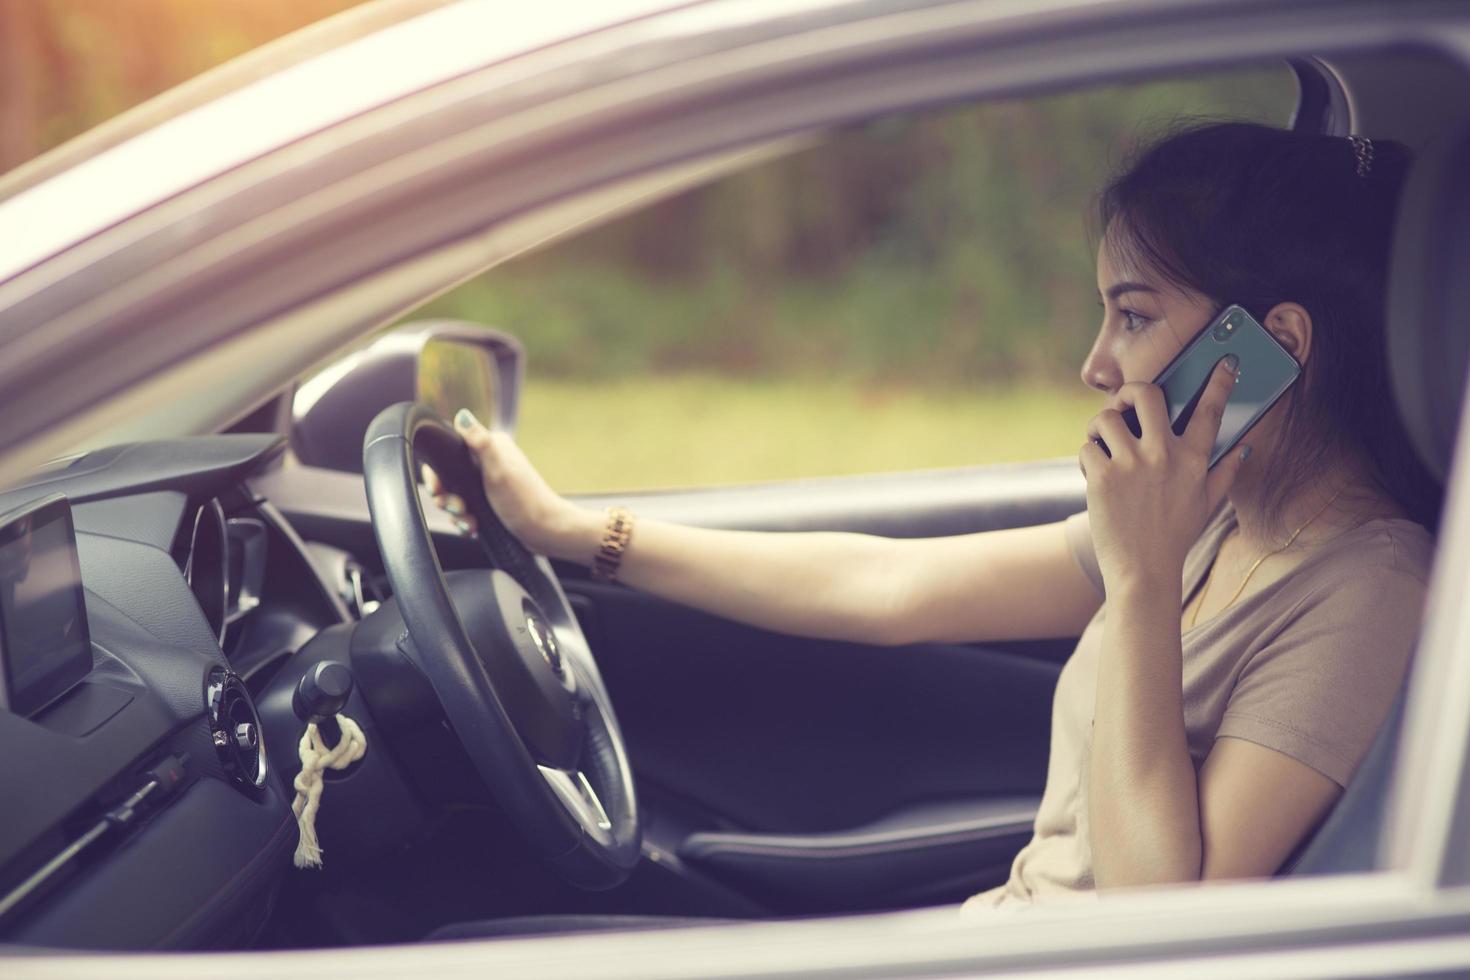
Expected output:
(698, 430)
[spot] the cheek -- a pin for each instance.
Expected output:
(1149, 353)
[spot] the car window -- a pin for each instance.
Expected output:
(915, 292)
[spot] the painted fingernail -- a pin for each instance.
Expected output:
(454, 507)
(1231, 362)
(465, 419)
(464, 526)
(1245, 454)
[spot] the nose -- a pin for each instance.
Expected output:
(1101, 371)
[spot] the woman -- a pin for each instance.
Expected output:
(1259, 615)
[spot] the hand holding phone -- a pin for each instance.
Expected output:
(1266, 371)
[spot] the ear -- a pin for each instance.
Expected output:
(1291, 325)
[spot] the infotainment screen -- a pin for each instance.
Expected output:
(44, 644)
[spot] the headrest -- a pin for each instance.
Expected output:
(1428, 328)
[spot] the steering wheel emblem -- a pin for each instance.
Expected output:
(545, 643)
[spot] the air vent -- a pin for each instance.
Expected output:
(235, 728)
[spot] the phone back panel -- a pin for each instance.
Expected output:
(1266, 371)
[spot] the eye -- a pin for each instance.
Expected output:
(1133, 321)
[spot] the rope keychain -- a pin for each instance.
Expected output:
(320, 697)
(316, 757)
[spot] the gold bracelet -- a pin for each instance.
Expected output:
(615, 536)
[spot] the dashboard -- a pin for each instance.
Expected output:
(142, 809)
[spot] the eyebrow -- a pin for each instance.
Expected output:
(1119, 289)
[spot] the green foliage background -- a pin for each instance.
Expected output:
(940, 249)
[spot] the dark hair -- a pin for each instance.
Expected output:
(1258, 216)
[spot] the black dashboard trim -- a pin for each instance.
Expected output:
(197, 466)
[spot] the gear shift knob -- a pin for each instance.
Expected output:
(322, 692)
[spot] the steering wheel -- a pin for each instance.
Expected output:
(506, 658)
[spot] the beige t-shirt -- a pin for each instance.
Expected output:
(1308, 666)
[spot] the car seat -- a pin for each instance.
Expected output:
(1428, 342)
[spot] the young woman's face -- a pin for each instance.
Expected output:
(1145, 323)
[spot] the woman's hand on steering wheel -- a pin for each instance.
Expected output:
(543, 520)
(499, 643)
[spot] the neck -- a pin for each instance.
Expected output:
(1342, 497)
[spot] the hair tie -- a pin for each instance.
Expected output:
(1362, 153)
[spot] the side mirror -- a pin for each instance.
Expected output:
(447, 364)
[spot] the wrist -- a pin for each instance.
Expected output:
(574, 534)
(1145, 590)
(1141, 573)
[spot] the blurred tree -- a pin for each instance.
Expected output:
(21, 43)
(67, 65)
(934, 248)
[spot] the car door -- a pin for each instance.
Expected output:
(816, 775)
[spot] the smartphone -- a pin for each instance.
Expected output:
(1267, 370)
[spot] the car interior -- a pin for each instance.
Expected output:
(745, 774)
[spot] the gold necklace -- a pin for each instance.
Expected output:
(1209, 576)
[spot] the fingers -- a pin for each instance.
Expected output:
(1141, 412)
(431, 480)
(1149, 408)
(451, 503)
(475, 435)
(488, 449)
(1108, 425)
(1091, 458)
(1204, 425)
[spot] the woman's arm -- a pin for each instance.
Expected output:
(998, 585)
(1148, 501)
(1153, 820)
(1256, 805)
(1143, 800)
